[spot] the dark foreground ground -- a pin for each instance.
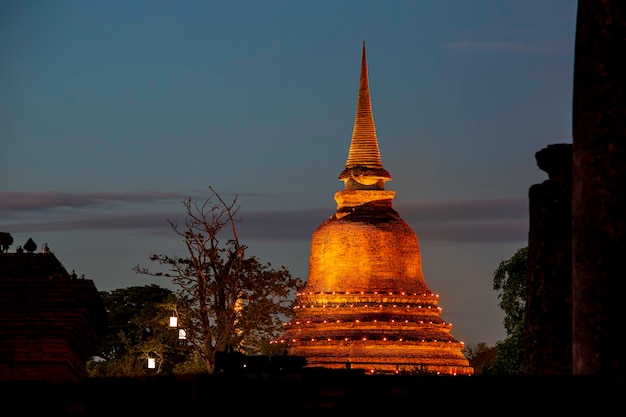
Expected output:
(316, 392)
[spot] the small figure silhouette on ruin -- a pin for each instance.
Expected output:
(30, 246)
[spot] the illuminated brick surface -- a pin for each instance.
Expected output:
(366, 304)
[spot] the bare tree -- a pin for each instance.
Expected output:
(226, 300)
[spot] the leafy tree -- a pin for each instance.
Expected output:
(138, 328)
(226, 300)
(510, 282)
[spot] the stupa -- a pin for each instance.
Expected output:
(365, 304)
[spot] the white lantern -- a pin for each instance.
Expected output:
(173, 321)
(151, 363)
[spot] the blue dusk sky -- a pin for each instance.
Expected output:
(113, 112)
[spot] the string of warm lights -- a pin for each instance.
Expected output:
(440, 324)
(325, 301)
(340, 305)
(404, 293)
(364, 339)
(397, 367)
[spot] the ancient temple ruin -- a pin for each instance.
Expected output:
(52, 322)
(366, 304)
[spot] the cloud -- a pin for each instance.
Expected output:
(489, 220)
(474, 210)
(282, 225)
(513, 47)
(454, 221)
(54, 199)
(121, 221)
(509, 231)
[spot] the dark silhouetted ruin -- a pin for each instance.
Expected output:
(51, 323)
(548, 314)
(599, 188)
(578, 226)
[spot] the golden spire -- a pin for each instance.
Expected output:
(364, 163)
(364, 146)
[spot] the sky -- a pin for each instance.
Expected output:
(112, 113)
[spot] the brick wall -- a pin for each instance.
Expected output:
(50, 323)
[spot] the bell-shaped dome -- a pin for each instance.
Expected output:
(371, 249)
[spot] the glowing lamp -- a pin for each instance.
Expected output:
(173, 321)
(151, 363)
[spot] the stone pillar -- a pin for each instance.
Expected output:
(599, 188)
(548, 313)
